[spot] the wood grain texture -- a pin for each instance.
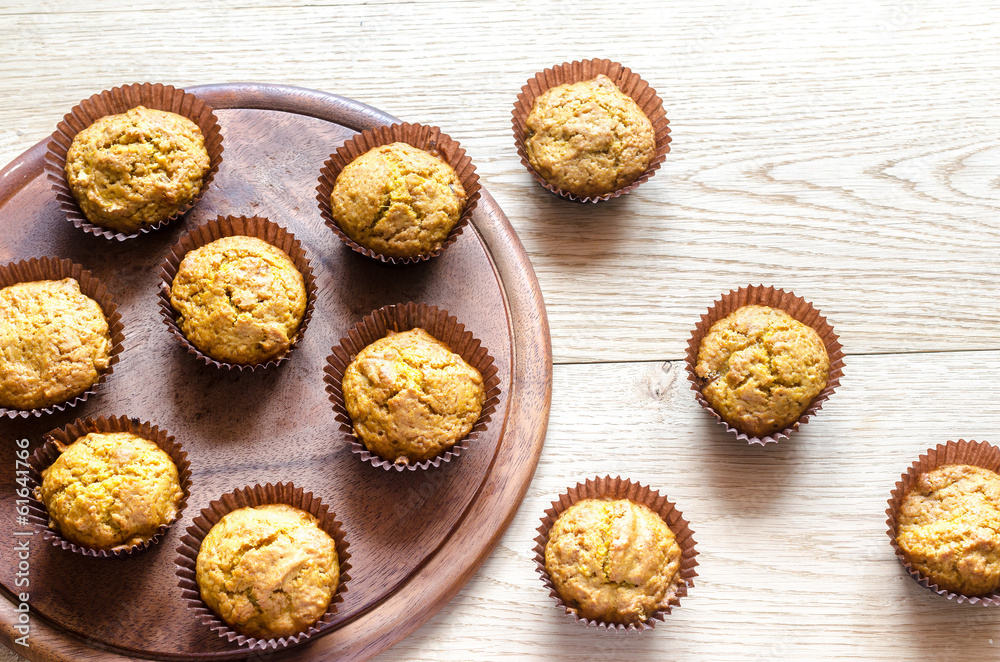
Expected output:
(846, 151)
(794, 561)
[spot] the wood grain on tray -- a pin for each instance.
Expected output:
(242, 428)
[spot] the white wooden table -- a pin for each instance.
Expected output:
(846, 151)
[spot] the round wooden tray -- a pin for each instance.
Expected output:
(415, 537)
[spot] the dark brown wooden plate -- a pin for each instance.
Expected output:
(416, 537)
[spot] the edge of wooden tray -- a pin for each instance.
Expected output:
(488, 516)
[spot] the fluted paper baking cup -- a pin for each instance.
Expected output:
(52, 268)
(975, 453)
(231, 226)
(795, 306)
(617, 488)
(398, 318)
(628, 82)
(249, 497)
(113, 102)
(56, 443)
(427, 138)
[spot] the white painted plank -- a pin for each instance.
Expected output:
(794, 559)
(847, 153)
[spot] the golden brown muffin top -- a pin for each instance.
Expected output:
(949, 528)
(613, 560)
(761, 368)
(410, 397)
(239, 300)
(54, 343)
(268, 571)
(110, 490)
(397, 200)
(588, 138)
(135, 169)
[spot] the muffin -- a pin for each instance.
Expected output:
(137, 168)
(397, 200)
(949, 528)
(54, 343)
(110, 490)
(268, 571)
(239, 300)
(588, 138)
(613, 560)
(410, 398)
(761, 368)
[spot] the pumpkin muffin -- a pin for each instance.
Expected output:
(761, 368)
(135, 169)
(54, 343)
(268, 571)
(410, 398)
(613, 560)
(588, 138)
(110, 490)
(239, 300)
(949, 528)
(397, 200)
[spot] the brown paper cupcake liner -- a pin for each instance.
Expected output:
(617, 488)
(403, 317)
(574, 72)
(976, 453)
(427, 138)
(795, 306)
(258, 495)
(56, 442)
(229, 226)
(115, 101)
(52, 268)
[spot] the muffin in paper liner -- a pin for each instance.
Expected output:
(627, 81)
(427, 138)
(258, 495)
(229, 226)
(113, 102)
(403, 317)
(617, 488)
(795, 306)
(51, 268)
(976, 453)
(56, 442)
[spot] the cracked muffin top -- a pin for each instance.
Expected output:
(588, 138)
(135, 169)
(268, 571)
(54, 343)
(613, 560)
(760, 368)
(110, 490)
(949, 528)
(397, 200)
(410, 397)
(239, 300)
